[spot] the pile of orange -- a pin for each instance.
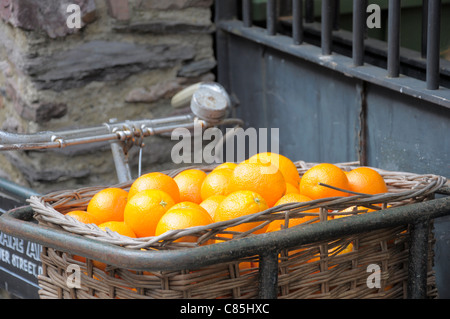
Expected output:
(157, 203)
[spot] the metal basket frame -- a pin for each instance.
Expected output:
(418, 216)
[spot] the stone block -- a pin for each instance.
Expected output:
(12, 125)
(36, 111)
(155, 92)
(119, 9)
(158, 26)
(102, 61)
(138, 52)
(173, 4)
(169, 17)
(48, 16)
(40, 112)
(197, 68)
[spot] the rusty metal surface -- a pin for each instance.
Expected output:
(19, 222)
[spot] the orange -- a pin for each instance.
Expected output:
(211, 204)
(284, 164)
(229, 165)
(144, 210)
(182, 218)
(187, 204)
(189, 183)
(84, 217)
(155, 180)
(348, 249)
(291, 189)
(241, 203)
(295, 198)
(262, 178)
(119, 227)
(218, 182)
(353, 208)
(292, 198)
(325, 173)
(367, 181)
(108, 204)
(281, 224)
(79, 258)
(245, 266)
(115, 226)
(98, 264)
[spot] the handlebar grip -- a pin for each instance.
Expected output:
(184, 97)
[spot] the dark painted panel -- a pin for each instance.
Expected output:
(442, 256)
(318, 118)
(317, 111)
(245, 62)
(407, 134)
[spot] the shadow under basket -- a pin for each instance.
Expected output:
(370, 264)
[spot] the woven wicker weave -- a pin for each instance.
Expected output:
(311, 271)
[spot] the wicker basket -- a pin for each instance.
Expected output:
(315, 270)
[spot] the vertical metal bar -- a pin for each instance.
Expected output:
(297, 21)
(433, 44)
(424, 28)
(327, 26)
(359, 13)
(268, 275)
(271, 17)
(418, 261)
(336, 14)
(247, 13)
(121, 162)
(361, 90)
(224, 10)
(309, 11)
(394, 38)
(123, 171)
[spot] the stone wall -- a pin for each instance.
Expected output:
(126, 62)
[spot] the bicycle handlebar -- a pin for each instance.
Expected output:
(209, 105)
(105, 132)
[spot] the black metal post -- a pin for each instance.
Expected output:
(424, 28)
(309, 11)
(297, 21)
(271, 17)
(247, 13)
(268, 275)
(224, 10)
(327, 26)
(418, 260)
(336, 14)
(433, 44)
(358, 32)
(394, 38)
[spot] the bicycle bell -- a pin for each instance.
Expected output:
(209, 101)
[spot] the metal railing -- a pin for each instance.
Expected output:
(235, 17)
(267, 246)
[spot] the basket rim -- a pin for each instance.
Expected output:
(404, 187)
